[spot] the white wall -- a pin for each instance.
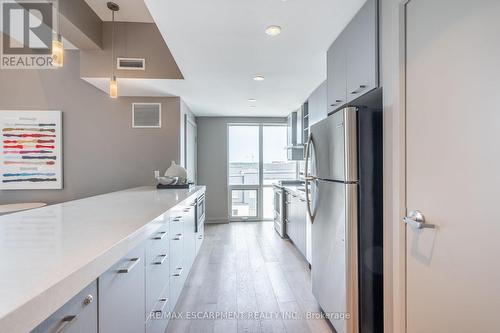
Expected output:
(212, 162)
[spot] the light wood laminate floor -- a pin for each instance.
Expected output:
(247, 269)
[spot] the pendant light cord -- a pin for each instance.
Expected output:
(59, 20)
(113, 45)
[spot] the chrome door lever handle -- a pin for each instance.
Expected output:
(416, 220)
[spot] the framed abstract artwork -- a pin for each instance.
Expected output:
(31, 155)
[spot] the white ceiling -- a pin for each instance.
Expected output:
(220, 45)
(130, 10)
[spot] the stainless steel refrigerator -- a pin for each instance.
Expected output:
(344, 184)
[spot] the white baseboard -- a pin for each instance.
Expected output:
(217, 220)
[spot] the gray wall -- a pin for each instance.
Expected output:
(212, 161)
(130, 42)
(101, 151)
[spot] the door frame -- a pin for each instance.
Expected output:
(261, 186)
(257, 187)
(393, 80)
(188, 121)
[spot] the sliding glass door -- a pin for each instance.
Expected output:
(244, 171)
(257, 159)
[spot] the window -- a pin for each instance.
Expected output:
(244, 155)
(276, 165)
(257, 158)
(244, 203)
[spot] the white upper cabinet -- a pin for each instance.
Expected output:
(352, 59)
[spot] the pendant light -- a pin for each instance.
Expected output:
(113, 85)
(57, 44)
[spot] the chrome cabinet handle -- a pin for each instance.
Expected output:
(160, 262)
(416, 220)
(337, 101)
(134, 262)
(360, 89)
(65, 322)
(161, 235)
(179, 271)
(178, 237)
(160, 311)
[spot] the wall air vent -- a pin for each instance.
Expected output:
(133, 64)
(146, 115)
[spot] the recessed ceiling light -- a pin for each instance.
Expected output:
(253, 106)
(252, 100)
(259, 78)
(273, 30)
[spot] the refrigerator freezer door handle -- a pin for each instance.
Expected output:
(308, 178)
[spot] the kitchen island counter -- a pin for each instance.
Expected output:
(49, 254)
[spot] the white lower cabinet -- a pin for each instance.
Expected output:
(297, 222)
(158, 318)
(122, 296)
(200, 235)
(79, 315)
(189, 226)
(177, 257)
(158, 276)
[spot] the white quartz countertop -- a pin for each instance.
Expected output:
(49, 254)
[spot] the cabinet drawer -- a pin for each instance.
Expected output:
(79, 315)
(177, 278)
(200, 236)
(176, 225)
(159, 316)
(158, 243)
(157, 270)
(176, 244)
(121, 295)
(189, 226)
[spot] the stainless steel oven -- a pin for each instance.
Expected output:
(279, 211)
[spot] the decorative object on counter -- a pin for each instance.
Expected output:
(31, 158)
(176, 171)
(175, 177)
(168, 180)
(175, 186)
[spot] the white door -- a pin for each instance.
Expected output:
(191, 150)
(453, 165)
